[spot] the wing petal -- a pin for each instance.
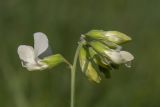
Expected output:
(26, 54)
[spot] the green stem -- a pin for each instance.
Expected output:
(73, 75)
(67, 62)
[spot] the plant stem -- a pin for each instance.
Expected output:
(67, 62)
(73, 76)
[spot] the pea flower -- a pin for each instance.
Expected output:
(113, 56)
(40, 57)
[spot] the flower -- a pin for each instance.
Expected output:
(102, 52)
(112, 56)
(119, 57)
(40, 57)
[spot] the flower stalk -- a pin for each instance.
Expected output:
(73, 75)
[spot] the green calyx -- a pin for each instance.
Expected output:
(53, 60)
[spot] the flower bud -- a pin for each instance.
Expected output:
(116, 37)
(83, 58)
(103, 66)
(88, 66)
(111, 44)
(98, 58)
(113, 56)
(95, 34)
(92, 74)
(53, 60)
(99, 47)
(112, 36)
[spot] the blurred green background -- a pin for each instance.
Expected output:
(64, 21)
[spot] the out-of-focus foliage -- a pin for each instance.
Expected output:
(64, 21)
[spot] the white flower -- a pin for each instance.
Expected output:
(120, 57)
(31, 57)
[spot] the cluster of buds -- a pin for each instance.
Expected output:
(101, 52)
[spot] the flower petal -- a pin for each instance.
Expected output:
(115, 56)
(126, 56)
(41, 44)
(26, 54)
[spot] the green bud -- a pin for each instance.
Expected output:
(105, 36)
(93, 54)
(53, 60)
(99, 47)
(117, 37)
(102, 58)
(103, 66)
(111, 44)
(98, 58)
(83, 58)
(88, 66)
(95, 34)
(105, 53)
(92, 74)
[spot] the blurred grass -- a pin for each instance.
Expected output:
(64, 21)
